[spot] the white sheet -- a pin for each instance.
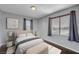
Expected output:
(23, 47)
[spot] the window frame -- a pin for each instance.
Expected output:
(59, 23)
(25, 24)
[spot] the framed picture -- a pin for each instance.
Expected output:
(11, 23)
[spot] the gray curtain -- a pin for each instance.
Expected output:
(24, 24)
(49, 27)
(31, 24)
(73, 32)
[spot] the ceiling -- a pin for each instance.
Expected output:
(25, 9)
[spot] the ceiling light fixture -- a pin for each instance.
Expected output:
(33, 7)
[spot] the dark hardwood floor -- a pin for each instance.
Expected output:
(3, 49)
(64, 50)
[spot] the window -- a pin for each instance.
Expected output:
(65, 25)
(55, 26)
(60, 26)
(28, 24)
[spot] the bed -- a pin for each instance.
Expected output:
(28, 43)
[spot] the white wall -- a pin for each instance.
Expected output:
(42, 29)
(3, 30)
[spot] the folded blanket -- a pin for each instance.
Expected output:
(38, 49)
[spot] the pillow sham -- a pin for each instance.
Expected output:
(30, 34)
(22, 35)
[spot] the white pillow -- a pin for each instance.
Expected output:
(22, 35)
(30, 34)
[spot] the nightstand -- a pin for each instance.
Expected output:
(10, 47)
(11, 43)
(11, 36)
(10, 50)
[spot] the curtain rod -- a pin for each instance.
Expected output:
(59, 16)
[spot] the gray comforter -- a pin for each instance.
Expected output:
(27, 43)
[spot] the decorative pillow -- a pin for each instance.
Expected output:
(20, 33)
